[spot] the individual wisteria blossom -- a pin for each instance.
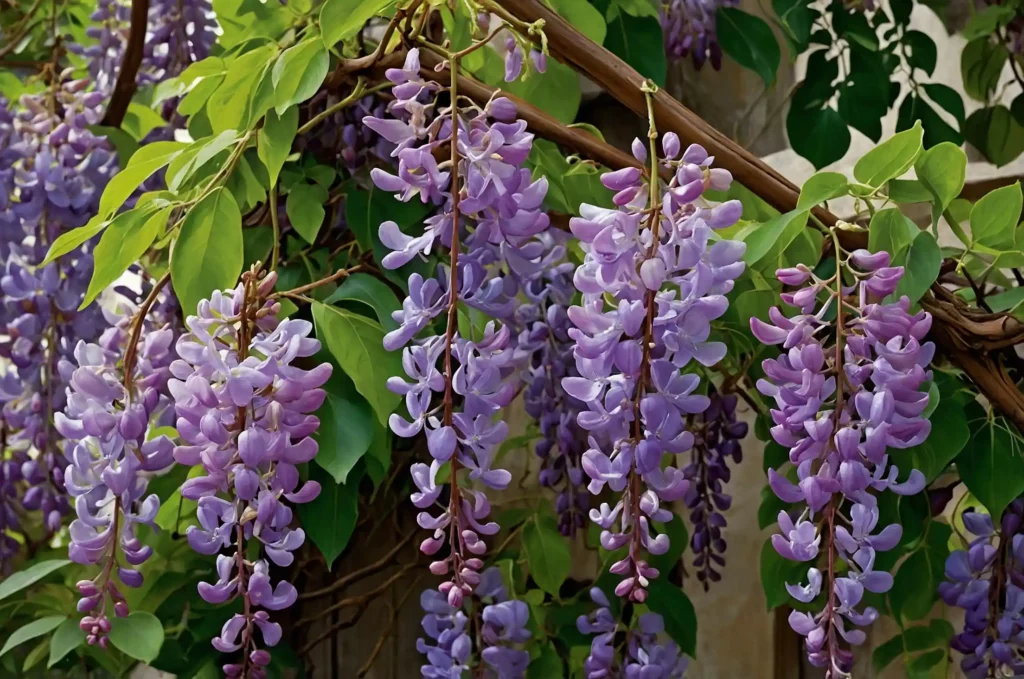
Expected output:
(689, 30)
(717, 437)
(652, 281)
(987, 580)
(846, 390)
(244, 415)
(107, 424)
(495, 206)
(449, 646)
(545, 350)
(645, 655)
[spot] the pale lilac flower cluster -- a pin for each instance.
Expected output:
(544, 349)
(244, 415)
(645, 657)
(987, 581)
(502, 630)
(689, 30)
(717, 437)
(668, 281)
(499, 206)
(108, 422)
(845, 390)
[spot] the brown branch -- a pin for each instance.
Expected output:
(124, 88)
(389, 630)
(363, 572)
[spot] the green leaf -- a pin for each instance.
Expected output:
(991, 464)
(996, 133)
(819, 135)
(777, 233)
(556, 91)
(70, 240)
(995, 216)
(749, 41)
(948, 98)
(547, 554)
(372, 292)
(330, 519)
(122, 244)
(139, 636)
(230, 106)
(942, 170)
(122, 141)
(346, 427)
(775, 573)
(19, 580)
(908, 191)
(890, 230)
(195, 156)
(949, 431)
(796, 19)
(639, 42)
(915, 585)
(821, 187)
(584, 17)
(1007, 300)
(67, 638)
(32, 630)
(891, 158)
(356, 342)
(981, 63)
(342, 19)
(547, 664)
(923, 53)
(140, 120)
(921, 268)
(143, 164)
(305, 209)
(985, 21)
(366, 210)
(298, 74)
(275, 140)
(676, 608)
(208, 253)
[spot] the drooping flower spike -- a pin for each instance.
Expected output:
(846, 391)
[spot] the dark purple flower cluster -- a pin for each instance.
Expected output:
(544, 349)
(107, 423)
(716, 438)
(344, 136)
(652, 282)
(646, 657)
(244, 415)
(689, 29)
(845, 391)
(52, 172)
(502, 630)
(179, 33)
(498, 207)
(987, 581)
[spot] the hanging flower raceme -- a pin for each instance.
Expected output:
(668, 283)
(987, 581)
(107, 423)
(544, 352)
(493, 205)
(846, 390)
(449, 646)
(244, 415)
(645, 655)
(689, 29)
(717, 437)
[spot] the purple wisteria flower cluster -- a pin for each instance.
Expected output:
(544, 349)
(987, 580)
(342, 136)
(717, 437)
(501, 627)
(646, 657)
(179, 33)
(244, 415)
(108, 423)
(637, 355)
(845, 391)
(52, 172)
(494, 208)
(689, 30)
